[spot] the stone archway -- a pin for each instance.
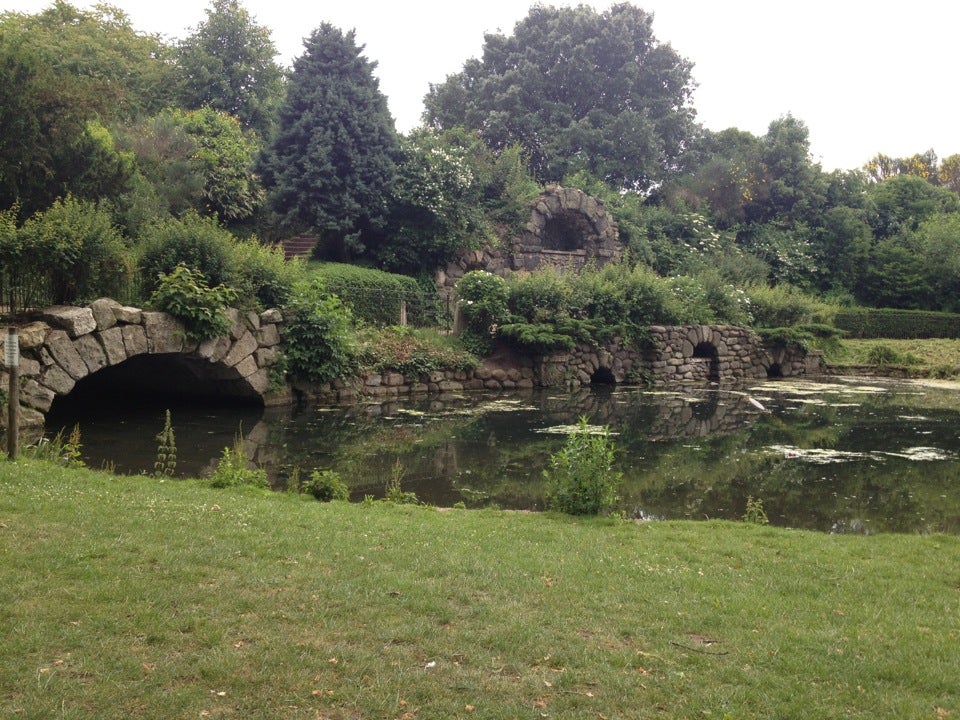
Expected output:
(69, 344)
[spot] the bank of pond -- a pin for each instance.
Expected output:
(844, 455)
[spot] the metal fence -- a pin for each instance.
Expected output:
(381, 307)
(22, 292)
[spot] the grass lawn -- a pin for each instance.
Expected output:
(134, 598)
(939, 357)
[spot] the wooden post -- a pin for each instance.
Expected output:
(11, 357)
(403, 313)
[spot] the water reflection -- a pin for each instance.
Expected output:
(850, 456)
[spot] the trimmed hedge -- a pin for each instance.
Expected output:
(375, 296)
(868, 323)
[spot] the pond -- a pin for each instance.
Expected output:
(850, 455)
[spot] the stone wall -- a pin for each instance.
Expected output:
(567, 229)
(67, 344)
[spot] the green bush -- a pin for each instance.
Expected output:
(541, 296)
(184, 293)
(233, 470)
(75, 244)
(197, 242)
(581, 479)
(869, 323)
(261, 275)
(411, 351)
(319, 334)
(785, 305)
(374, 297)
(482, 298)
(326, 486)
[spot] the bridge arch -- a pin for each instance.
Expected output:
(69, 345)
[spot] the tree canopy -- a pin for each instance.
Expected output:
(577, 90)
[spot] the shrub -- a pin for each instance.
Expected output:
(261, 275)
(541, 297)
(483, 300)
(319, 334)
(326, 486)
(785, 305)
(184, 293)
(898, 324)
(233, 470)
(374, 296)
(75, 244)
(410, 351)
(581, 478)
(199, 243)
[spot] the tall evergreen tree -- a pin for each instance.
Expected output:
(332, 162)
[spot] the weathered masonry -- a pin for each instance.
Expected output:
(69, 344)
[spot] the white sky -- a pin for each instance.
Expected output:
(864, 77)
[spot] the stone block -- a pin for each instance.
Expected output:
(35, 395)
(75, 321)
(33, 335)
(102, 309)
(92, 352)
(56, 379)
(247, 366)
(28, 368)
(268, 335)
(128, 315)
(271, 317)
(244, 346)
(112, 341)
(65, 354)
(134, 339)
(164, 332)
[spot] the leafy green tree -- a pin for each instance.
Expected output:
(228, 64)
(225, 155)
(436, 207)
(576, 89)
(904, 201)
(939, 244)
(331, 166)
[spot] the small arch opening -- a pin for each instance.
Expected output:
(775, 371)
(603, 376)
(708, 351)
(567, 231)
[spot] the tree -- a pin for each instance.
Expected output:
(904, 201)
(228, 64)
(578, 90)
(331, 165)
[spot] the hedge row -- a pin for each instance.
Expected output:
(375, 297)
(897, 324)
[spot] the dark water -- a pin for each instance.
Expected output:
(856, 455)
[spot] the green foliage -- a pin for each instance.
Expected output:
(544, 338)
(326, 486)
(319, 334)
(617, 102)
(581, 476)
(375, 296)
(185, 294)
(197, 242)
(785, 305)
(261, 276)
(410, 352)
(166, 463)
(331, 163)
(755, 513)
(57, 450)
(436, 204)
(393, 490)
(881, 354)
(233, 470)
(75, 244)
(897, 324)
(804, 336)
(483, 299)
(228, 64)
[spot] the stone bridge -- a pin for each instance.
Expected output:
(67, 346)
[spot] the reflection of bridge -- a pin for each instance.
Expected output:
(132, 347)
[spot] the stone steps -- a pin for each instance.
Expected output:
(299, 246)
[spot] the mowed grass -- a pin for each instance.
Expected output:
(938, 356)
(134, 598)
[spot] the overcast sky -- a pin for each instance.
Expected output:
(864, 77)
